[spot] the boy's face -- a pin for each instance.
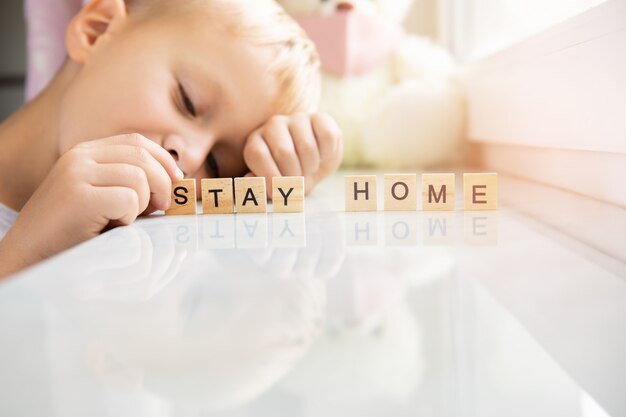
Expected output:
(178, 80)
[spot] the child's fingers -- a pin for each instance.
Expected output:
(117, 203)
(282, 148)
(301, 131)
(137, 140)
(328, 136)
(124, 175)
(151, 209)
(259, 160)
(157, 178)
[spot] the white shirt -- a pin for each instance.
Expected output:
(7, 218)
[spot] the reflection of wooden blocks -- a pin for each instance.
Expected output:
(251, 231)
(480, 191)
(184, 232)
(250, 195)
(400, 192)
(217, 196)
(218, 232)
(440, 229)
(288, 194)
(183, 197)
(481, 229)
(360, 193)
(362, 229)
(400, 230)
(438, 192)
(288, 230)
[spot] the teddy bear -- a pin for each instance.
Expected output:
(394, 95)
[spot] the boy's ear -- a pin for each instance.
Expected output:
(89, 24)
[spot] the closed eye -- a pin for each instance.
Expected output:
(186, 101)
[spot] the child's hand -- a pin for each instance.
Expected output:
(94, 185)
(296, 145)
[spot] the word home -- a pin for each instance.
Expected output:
(480, 192)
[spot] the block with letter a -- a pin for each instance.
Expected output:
(250, 195)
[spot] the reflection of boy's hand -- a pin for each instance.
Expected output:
(94, 185)
(297, 145)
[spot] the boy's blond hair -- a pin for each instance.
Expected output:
(264, 23)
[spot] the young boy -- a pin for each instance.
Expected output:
(154, 91)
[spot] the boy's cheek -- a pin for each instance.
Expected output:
(136, 106)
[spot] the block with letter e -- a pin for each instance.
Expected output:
(480, 191)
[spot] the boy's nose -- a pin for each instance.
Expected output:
(344, 6)
(188, 152)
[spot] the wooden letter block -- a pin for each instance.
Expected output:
(438, 192)
(288, 194)
(217, 196)
(360, 193)
(250, 195)
(400, 192)
(183, 198)
(480, 191)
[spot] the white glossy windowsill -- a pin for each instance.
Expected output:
(520, 311)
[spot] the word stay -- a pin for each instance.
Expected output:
(246, 195)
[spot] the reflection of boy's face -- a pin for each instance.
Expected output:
(132, 81)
